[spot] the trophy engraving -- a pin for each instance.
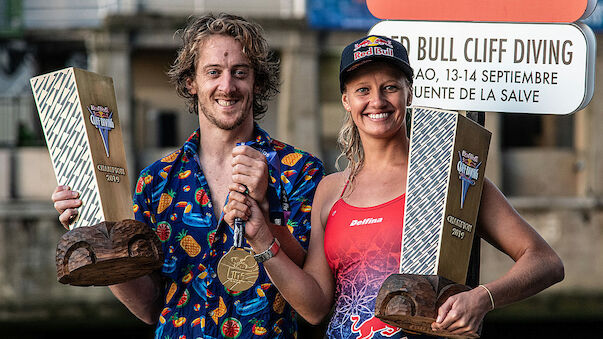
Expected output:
(104, 246)
(445, 178)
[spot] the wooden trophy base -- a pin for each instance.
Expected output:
(411, 302)
(107, 253)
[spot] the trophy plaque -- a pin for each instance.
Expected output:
(447, 160)
(104, 245)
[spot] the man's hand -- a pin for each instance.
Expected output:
(462, 313)
(66, 203)
(250, 170)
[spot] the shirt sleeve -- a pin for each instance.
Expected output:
(301, 197)
(142, 202)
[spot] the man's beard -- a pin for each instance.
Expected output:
(222, 125)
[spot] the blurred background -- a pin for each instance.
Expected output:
(551, 167)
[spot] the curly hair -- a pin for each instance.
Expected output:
(255, 47)
(351, 145)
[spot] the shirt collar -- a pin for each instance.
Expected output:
(263, 143)
(260, 138)
(192, 143)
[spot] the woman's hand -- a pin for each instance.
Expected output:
(463, 313)
(257, 230)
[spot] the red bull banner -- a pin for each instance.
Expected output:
(561, 11)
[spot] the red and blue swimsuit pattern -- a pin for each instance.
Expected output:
(362, 246)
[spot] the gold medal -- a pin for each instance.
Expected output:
(238, 270)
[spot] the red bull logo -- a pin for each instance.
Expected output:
(102, 118)
(468, 168)
(370, 327)
(373, 50)
(372, 41)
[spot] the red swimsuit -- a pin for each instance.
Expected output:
(362, 246)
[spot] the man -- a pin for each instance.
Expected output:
(224, 71)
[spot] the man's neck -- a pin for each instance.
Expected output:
(215, 156)
(217, 144)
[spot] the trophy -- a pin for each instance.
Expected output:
(447, 160)
(104, 245)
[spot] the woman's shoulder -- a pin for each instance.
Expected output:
(333, 184)
(329, 191)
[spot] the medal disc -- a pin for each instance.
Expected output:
(238, 270)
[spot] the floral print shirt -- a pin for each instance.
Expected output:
(172, 197)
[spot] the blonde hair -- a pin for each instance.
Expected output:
(255, 47)
(351, 147)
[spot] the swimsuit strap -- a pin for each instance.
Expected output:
(344, 187)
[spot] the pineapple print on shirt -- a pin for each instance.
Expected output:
(172, 197)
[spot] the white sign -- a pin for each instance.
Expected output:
(498, 67)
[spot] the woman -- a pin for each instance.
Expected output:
(349, 257)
